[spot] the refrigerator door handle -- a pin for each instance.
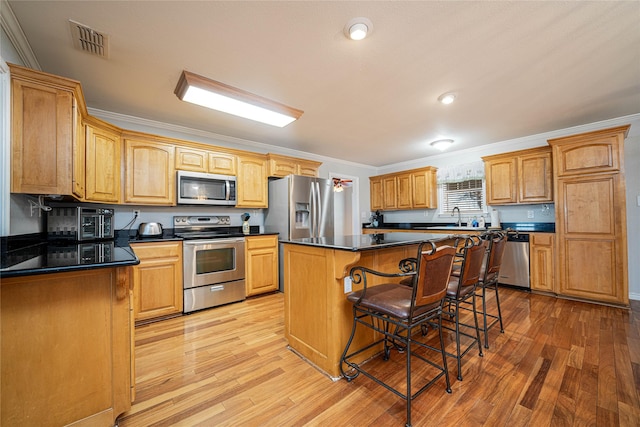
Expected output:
(318, 208)
(312, 221)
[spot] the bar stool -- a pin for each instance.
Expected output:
(489, 276)
(462, 290)
(395, 311)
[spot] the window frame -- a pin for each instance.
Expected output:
(463, 212)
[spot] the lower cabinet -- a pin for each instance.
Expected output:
(261, 260)
(542, 261)
(157, 280)
(66, 348)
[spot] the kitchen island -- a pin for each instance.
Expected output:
(318, 318)
(67, 333)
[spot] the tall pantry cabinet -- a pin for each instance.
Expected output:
(591, 223)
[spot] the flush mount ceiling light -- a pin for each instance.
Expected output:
(442, 144)
(358, 28)
(447, 98)
(219, 96)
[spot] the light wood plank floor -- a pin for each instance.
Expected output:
(559, 363)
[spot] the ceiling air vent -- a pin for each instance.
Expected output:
(89, 40)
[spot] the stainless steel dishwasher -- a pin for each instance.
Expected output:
(514, 270)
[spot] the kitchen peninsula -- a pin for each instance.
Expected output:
(318, 318)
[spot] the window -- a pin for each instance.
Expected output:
(467, 195)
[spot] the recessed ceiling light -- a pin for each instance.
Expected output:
(219, 96)
(447, 98)
(358, 28)
(442, 144)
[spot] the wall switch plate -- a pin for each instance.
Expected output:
(638, 200)
(529, 214)
(347, 285)
(136, 212)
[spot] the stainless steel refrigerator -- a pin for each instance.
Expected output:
(299, 207)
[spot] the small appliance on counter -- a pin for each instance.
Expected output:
(150, 229)
(79, 223)
(377, 219)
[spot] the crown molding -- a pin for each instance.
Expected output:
(11, 26)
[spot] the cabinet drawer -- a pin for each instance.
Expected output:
(261, 242)
(157, 249)
(545, 239)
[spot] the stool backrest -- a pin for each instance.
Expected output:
(472, 258)
(497, 243)
(434, 269)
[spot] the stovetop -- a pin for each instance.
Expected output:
(205, 227)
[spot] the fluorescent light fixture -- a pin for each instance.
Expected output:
(228, 99)
(442, 144)
(447, 98)
(358, 28)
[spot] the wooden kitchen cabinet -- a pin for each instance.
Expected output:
(66, 348)
(542, 265)
(591, 223)
(47, 145)
(196, 160)
(261, 260)
(524, 176)
(281, 166)
(411, 189)
(252, 183)
(157, 280)
(150, 172)
(103, 162)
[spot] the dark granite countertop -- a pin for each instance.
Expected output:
(522, 227)
(368, 241)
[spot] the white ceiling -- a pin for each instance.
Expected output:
(519, 68)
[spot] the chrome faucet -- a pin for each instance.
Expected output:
(453, 212)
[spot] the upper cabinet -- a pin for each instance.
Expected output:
(197, 160)
(103, 158)
(150, 176)
(47, 142)
(281, 166)
(411, 189)
(595, 153)
(519, 177)
(252, 189)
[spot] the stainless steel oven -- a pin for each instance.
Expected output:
(214, 265)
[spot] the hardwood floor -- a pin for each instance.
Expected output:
(559, 363)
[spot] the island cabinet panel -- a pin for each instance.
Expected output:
(157, 280)
(150, 173)
(261, 260)
(66, 348)
(591, 233)
(318, 317)
(47, 149)
(103, 164)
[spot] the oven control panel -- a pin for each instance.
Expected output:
(201, 221)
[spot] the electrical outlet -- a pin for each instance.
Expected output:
(426, 213)
(529, 214)
(136, 212)
(347, 285)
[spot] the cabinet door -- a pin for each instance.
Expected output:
(252, 182)
(281, 167)
(157, 280)
(78, 174)
(501, 181)
(389, 192)
(42, 137)
(592, 245)
(376, 193)
(103, 160)
(150, 173)
(308, 168)
(261, 264)
(425, 190)
(192, 159)
(222, 163)
(542, 261)
(405, 191)
(535, 184)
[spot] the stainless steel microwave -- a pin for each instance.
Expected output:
(196, 188)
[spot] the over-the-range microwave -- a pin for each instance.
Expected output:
(197, 188)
